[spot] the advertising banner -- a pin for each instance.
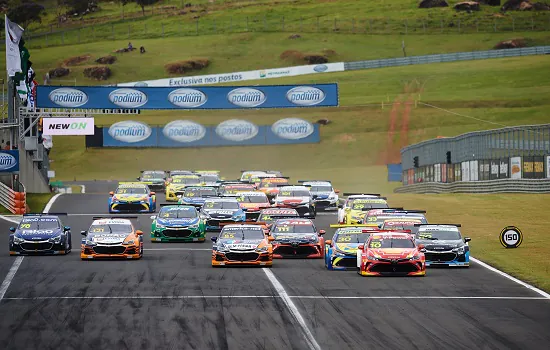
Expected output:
(437, 173)
(239, 76)
(538, 167)
(504, 169)
(515, 164)
(494, 170)
(548, 166)
(528, 167)
(9, 161)
(444, 172)
(68, 126)
(187, 133)
(212, 97)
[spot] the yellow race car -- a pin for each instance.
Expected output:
(177, 186)
(355, 213)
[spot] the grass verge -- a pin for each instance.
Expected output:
(37, 201)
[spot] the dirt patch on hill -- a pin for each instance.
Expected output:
(98, 73)
(75, 61)
(106, 60)
(511, 44)
(183, 67)
(297, 57)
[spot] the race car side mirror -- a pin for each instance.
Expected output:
(214, 239)
(348, 209)
(467, 239)
(244, 209)
(12, 229)
(336, 191)
(340, 206)
(153, 193)
(137, 178)
(66, 228)
(380, 225)
(328, 242)
(153, 217)
(271, 238)
(83, 233)
(322, 232)
(423, 250)
(139, 232)
(111, 193)
(314, 196)
(421, 246)
(361, 246)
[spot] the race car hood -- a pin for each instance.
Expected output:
(220, 212)
(294, 237)
(347, 248)
(194, 200)
(436, 245)
(178, 222)
(270, 190)
(237, 245)
(130, 197)
(38, 235)
(108, 238)
(255, 206)
(175, 187)
(156, 180)
(393, 253)
(293, 200)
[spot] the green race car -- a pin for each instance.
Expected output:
(177, 223)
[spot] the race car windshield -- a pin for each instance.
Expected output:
(178, 213)
(294, 193)
(270, 218)
(221, 205)
(242, 234)
(352, 238)
(252, 199)
(409, 227)
(442, 235)
(391, 243)
(233, 190)
(272, 184)
(44, 224)
(152, 175)
(361, 206)
(294, 229)
(111, 228)
(209, 178)
(131, 190)
(187, 180)
(206, 192)
(320, 188)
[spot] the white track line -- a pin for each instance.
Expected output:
(310, 339)
(50, 203)
(318, 297)
(10, 276)
(505, 275)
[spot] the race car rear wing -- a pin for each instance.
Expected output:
(222, 224)
(418, 225)
(168, 204)
(352, 225)
(361, 194)
(302, 181)
(408, 211)
(114, 217)
(389, 210)
(42, 214)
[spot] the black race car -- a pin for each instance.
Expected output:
(40, 234)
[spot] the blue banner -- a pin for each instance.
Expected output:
(186, 133)
(9, 161)
(210, 97)
(395, 172)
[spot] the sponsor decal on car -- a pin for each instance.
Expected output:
(68, 97)
(237, 130)
(246, 97)
(305, 96)
(128, 98)
(187, 98)
(130, 131)
(184, 131)
(292, 128)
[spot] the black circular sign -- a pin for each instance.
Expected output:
(511, 237)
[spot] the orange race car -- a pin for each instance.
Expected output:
(109, 238)
(391, 253)
(252, 203)
(270, 186)
(242, 244)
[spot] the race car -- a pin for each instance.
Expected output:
(231, 189)
(132, 197)
(172, 173)
(341, 250)
(253, 203)
(378, 218)
(390, 253)
(221, 210)
(327, 197)
(179, 182)
(257, 178)
(268, 216)
(196, 195)
(401, 224)
(444, 245)
(212, 180)
(297, 238)
(112, 238)
(270, 186)
(242, 245)
(296, 197)
(247, 174)
(155, 179)
(177, 223)
(349, 201)
(40, 234)
(354, 213)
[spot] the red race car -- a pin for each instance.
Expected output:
(297, 238)
(391, 253)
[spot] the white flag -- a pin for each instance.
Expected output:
(13, 57)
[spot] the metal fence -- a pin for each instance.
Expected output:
(521, 152)
(179, 26)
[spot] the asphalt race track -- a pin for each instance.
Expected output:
(174, 299)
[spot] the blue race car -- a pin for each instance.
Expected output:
(444, 245)
(221, 210)
(341, 251)
(132, 197)
(39, 234)
(197, 195)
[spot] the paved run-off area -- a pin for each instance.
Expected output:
(174, 299)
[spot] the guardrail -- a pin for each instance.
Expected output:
(490, 186)
(14, 201)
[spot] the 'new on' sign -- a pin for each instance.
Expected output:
(68, 126)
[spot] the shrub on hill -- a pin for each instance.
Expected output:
(183, 67)
(97, 73)
(426, 4)
(74, 61)
(106, 60)
(59, 72)
(298, 57)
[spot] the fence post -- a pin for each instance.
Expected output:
(231, 24)
(247, 23)
(353, 25)
(335, 23)
(51, 28)
(283, 20)
(318, 26)
(301, 24)
(406, 26)
(63, 38)
(513, 24)
(197, 27)
(495, 25)
(265, 23)
(128, 31)
(477, 25)
(459, 25)
(113, 31)
(532, 23)
(214, 27)
(370, 25)
(78, 30)
(424, 25)
(93, 32)
(145, 28)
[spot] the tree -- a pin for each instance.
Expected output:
(123, 3)
(144, 3)
(26, 13)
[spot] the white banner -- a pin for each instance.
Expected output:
(465, 171)
(68, 126)
(515, 164)
(437, 172)
(13, 55)
(548, 166)
(240, 76)
(473, 170)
